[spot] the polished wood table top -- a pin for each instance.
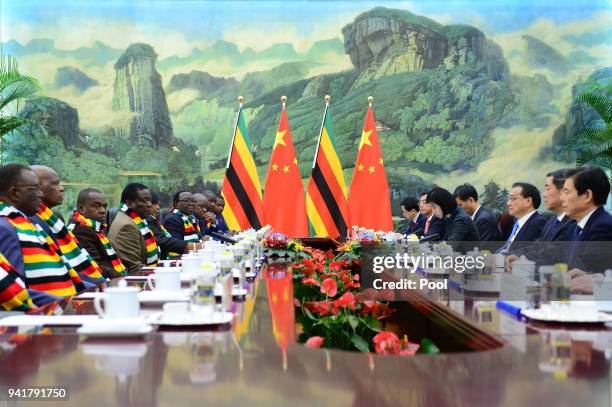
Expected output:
(256, 362)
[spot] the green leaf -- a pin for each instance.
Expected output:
(353, 321)
(360, 343)
(309, 314)
(428, 347)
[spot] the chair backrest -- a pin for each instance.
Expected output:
(163, 212)
(110, 216)
(506, 223)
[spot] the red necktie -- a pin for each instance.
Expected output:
(426, 226)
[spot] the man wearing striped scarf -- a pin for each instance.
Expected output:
(27, 248)
(72, 254)
(88, 226)
(130, 234)
(181, 223)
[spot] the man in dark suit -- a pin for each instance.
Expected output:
(551, 246)
(206, 218)
(168, 245)
(467, 197)
(221, 223)
(523, 202)
(431, 225)
(175, 224)
(410, 211)
(585, 192)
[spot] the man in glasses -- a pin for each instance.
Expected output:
(26, 246)
(180, 223)
(523, 202)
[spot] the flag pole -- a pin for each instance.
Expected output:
(327, 99)
(229, 156)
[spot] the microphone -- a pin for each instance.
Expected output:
(435, 236)
(416, 232)
(222, 237)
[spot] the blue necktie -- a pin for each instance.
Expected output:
(509, 241)
(574, 235)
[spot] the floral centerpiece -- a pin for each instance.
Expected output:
(277, 247)
(331, 311)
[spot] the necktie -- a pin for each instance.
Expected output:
(426, 226)
(574, 235)
(509, 241)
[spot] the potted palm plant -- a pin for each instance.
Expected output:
(594, 145)
(14, 87)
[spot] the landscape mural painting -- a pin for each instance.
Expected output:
(481, 92)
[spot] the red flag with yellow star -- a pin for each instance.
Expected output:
(284, 206)
(369, 198)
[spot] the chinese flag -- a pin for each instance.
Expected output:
(369, 199)
(284, 206)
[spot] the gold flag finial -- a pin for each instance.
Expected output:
(284, 99)
(327, 98)
(370, 99)
(241, 99)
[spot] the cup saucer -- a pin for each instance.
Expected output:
(116, 327)
(192, 319)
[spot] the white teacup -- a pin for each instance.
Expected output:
(191, 264)
(119, 302)
(175, 310)
(166, 279)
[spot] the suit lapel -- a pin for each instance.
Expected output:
(590, 222)
(524, 228)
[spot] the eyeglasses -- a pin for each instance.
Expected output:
(513, 198)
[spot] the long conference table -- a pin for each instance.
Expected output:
(489, 358)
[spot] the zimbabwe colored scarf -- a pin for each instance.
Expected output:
(99, 229)
(190, 233)
(43, 265)
(13, 293)
(143, 227)
(73, 255)
(196, 225)
(163, 229)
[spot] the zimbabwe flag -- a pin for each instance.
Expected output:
(241, 188)
(326, 203)
(284, 207)
(369, 199)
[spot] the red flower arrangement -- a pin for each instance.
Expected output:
(334, 313)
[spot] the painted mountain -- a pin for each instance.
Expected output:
(452, 103)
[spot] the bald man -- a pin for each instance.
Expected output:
(52, 190)
(74, 255)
